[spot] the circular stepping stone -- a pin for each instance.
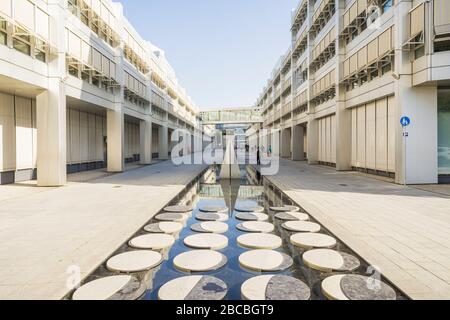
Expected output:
(193, 288)
(134, 261)
(214, 209)
(249, 208)
(301, 226)
(199, 261)
(292, 216)
(164, 227)
(356, 287)
(173, 217)
(285, 209)
(275, 287)
(152, 242)
(123, 287)
(210, 227)
(179, 209)
(209, 241)
(326, 260)
(265, 260)
(312, 240)
(255, 216)
(256, 226)
(212, 217)
(260, 241)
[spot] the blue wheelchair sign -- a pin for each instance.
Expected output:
(405, 121)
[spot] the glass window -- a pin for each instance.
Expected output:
(387, 5)
(444, 131)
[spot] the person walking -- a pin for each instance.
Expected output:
(258, 157)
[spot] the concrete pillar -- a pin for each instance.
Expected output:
(163, 142)
(343, 115)
(146, 141)
(416, 154)
(313, 141)
(286, 143)
(51, 135)
(115, 124)
(51, 112)
(298, 148)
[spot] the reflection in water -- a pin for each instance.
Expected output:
(249, 191)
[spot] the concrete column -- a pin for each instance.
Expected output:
(313, 141)
(115, 124)
(163, 143)
(343, 115)
(286, 143)
(298, 148)
(416, 154)
(51, 111)
(146, 141)
(51, 135)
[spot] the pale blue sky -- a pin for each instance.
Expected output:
(222, 50)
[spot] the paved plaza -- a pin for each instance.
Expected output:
(45, 231)
(404, 231)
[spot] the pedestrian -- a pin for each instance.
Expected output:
(258, 157)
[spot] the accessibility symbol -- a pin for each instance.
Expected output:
(405, 121)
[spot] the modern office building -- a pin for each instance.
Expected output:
(80, 89)
(353, 70)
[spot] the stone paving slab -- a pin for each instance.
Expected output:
(404, 231)
(47, 231)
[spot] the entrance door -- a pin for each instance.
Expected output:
(444, 135)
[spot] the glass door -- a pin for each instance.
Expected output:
(444, 131)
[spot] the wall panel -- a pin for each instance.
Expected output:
(84, 137)
(392, 123)
(333, 139)
(381, 135)
(361, 128)
(99, 152)
(370, 136)
(354, 138)
(74, 136)
(92, 137)
(7, 133)
(24, 133)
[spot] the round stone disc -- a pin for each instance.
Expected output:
(259, 241)
(174, 217)
(110, 288)
(199, 261)
(152, 242)
(301, 226)
(285, 209)
(164, 227)
(193, 288)
(324, 260)
(265, 260)
(292, 216)
(209, 241)
(254, 216)
(256, 226)
(249, 208)
(356, 287)
(278, 287)
(214, 209)
(313, 240)
(134, 261)
(212, 217)
(210, 227)
(178, 209)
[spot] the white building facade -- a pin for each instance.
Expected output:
(80, 90)
(353, 70)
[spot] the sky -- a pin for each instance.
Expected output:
(223, 51)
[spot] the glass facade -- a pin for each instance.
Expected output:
(444, 131)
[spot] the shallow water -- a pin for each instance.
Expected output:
(206, 191)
